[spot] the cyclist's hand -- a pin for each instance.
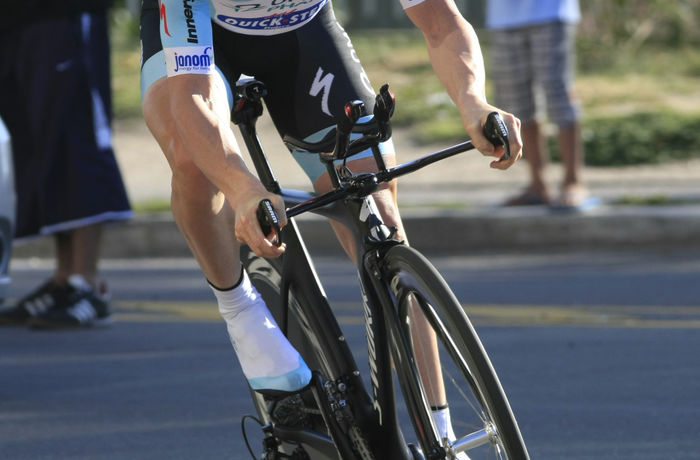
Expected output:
(247, 227)
(474, 120)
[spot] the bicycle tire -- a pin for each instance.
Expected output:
(410, 275)
(266, 276)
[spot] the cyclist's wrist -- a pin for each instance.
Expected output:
(472, 101)
(241, 186)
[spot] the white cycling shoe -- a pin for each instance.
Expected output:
(291, 381)
(268, 360)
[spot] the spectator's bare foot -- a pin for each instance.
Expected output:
(574, 197)
(528, 197)
(571, 196)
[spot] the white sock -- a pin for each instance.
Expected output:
(443, 423)
(441, 417)
(264, 352)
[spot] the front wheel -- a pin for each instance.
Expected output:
(464, 379)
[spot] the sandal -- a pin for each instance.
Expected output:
(574, 198)
(527, 198)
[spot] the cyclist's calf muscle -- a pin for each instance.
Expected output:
(198, 207)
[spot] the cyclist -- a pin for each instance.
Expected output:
(193, 51)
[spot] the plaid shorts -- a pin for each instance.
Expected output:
(530, 63)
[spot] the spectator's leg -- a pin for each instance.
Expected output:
(512, 73)
(535, 151)
(77, 252)
(555, 53)
(571, 147)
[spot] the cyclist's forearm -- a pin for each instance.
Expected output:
(453, 48)
(459, 65)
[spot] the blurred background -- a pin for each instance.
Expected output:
(638, 65)
(606, 339)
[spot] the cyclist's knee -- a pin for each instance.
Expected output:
(386, 203)
(187, 178)
(156, 107)
(190, 185)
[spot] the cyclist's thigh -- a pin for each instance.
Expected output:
(153, 66)
(310, 73)
(328, 74)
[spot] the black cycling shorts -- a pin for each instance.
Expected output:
(310, 73)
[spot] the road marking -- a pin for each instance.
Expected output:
(350, 313)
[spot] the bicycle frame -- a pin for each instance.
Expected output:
(375, 411)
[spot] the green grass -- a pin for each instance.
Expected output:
(125, 65)
(653, 200)
(152, 206)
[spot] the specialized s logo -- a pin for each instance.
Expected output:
(164, 19)
(322, 83)
(189, 21)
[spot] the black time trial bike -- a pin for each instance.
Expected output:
(338, 415)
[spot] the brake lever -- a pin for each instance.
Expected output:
(269, 222)
(352, 112)
(496, 132)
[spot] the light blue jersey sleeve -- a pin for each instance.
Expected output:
(503, 14)
(186, 35)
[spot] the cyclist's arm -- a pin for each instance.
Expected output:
(202, 117)
(202, 124)
(455, 54)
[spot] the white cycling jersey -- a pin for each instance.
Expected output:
(264, 17)
(186, 33)
(268, 17)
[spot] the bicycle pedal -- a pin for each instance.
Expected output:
(292, 412)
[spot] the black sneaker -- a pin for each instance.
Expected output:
(43, 299)
(83, 308)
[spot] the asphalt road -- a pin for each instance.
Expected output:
(598, 353)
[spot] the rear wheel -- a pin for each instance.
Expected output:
(482, 419)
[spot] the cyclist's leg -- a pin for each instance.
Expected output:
(197, 205)
(385, 198)
(476, 398)
(327, 75)
(268, 360)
